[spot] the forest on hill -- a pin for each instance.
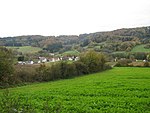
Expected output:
(112, 41)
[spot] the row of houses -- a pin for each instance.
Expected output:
(54, 59)
(25, 62)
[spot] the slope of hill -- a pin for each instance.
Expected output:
(117, 90)
(117, 40)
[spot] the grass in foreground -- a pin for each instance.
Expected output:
(119, 90)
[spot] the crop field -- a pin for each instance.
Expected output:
(140, 48)
(121, 90)
(26, 49)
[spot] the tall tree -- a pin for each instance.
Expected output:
(6, 64)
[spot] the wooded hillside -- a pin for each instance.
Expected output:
(117, 40)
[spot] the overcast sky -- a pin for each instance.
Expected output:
(66, 17)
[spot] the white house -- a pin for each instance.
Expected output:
(21, 63)
(30, 62)
(42, 59)
(55, 59)
(70, 59)
(77, 58)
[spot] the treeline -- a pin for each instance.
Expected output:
(90, 62)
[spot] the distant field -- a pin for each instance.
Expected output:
(140, 48)
(27, 49)
(120, 90)
(117, 52)
(75, 52)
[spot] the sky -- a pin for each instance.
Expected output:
(70, 17)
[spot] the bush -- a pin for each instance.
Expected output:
(25, 74)
(63, 70)
(81, 68)
(55, 72)
(42, 73)
(94, 61)
(70, 70)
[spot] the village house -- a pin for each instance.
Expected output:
(21, 63)
(42, 60)
(53, 59)
(29, 62)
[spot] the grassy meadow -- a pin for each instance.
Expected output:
(140, 48)
(26, 49)
(75, 52)
(121, 90)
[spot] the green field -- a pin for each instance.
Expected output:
(26, 49)
(121, 90)
(140, 48)
(75, 52)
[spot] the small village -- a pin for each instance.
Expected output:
(40, 60)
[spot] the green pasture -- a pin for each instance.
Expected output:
(26, 49)
(140, 48)
(73, 52)
(119, 90)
